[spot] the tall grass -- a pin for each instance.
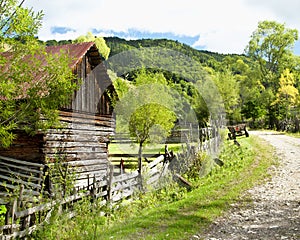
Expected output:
(172, 212)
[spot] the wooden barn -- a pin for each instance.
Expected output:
(87, 124)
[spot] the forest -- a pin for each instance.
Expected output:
(260, 87)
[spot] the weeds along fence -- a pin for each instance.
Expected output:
(27, 209)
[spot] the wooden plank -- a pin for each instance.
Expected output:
(98, 174)
(82, 137)
(13, 187)
(125, 185)
(19, 181)
(87, 162)
(156, 161)
(101, 117)
(153, 179)
(22, 162)
(62, 144)
(22, 168)
(88, 121)
(125, 177)
(91, 168)
(101, 194)
(19, 174)
(120, 155)
(80, 156)
(70, 131)
(88, 127)
(74, 150)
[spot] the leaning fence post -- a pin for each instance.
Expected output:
(13, 211)
(7, 217)
(20, 196)
(93, 190)
(109, 183)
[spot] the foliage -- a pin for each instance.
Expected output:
(2, 214)
(202, 165)
(99, 41)
(33, 84)
(60, 176)
(271, 47)
(287, 92)
(146, 111)
(230, 91)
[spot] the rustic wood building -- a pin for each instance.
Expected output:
(87, 121)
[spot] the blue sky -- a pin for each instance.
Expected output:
(213, 25)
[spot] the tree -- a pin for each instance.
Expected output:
(146, 112)
(99, 41)
(33, 84)
(287, 94)
(271, 47)
(230, 91)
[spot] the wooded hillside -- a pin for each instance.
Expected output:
(260, 87)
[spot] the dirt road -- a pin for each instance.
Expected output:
(275, 210)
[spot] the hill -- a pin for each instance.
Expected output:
(206, 58)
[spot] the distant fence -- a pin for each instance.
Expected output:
(22, 220)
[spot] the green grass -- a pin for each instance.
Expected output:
(115, 148)
(297, 135)
(173, 213)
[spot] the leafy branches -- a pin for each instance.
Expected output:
(33, 82)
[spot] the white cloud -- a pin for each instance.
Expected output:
(223, 26)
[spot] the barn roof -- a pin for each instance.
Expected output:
(77, 51)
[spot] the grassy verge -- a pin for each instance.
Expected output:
(173, 213)
(297, 135)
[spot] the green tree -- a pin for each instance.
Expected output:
(230, 91)
(271, 47)
(99, 41)
(33, 84)
(147, 111)
(287, 94)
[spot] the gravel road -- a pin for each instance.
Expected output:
(275, 210)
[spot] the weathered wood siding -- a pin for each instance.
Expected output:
(82, 143)
(92, 95)
(25, 147)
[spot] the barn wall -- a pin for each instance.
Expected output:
(25, 147)
(82, 143)
(92, 97)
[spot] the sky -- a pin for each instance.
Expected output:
(222, 26)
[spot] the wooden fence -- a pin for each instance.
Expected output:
(22, 220)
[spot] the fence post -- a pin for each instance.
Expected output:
(93, 190)
(13, 211)
(109, 183)
(20, 196)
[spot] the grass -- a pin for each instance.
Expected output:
(297, 135)
(115, 148)
(174, 213)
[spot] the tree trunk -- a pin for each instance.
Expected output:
(140, 158)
